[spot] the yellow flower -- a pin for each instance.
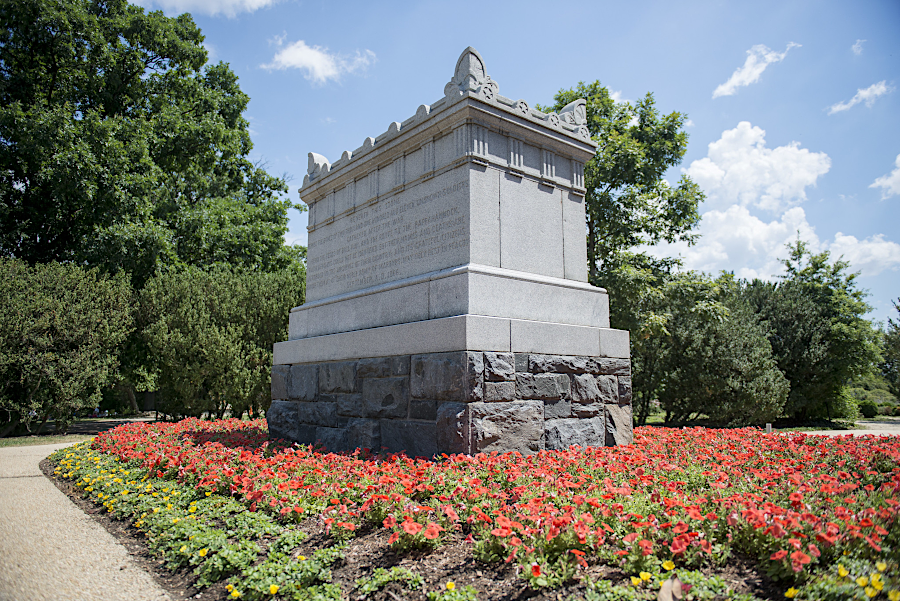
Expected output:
(635, 581)
(229, 588)
(124, 492)
(208, 493)
(273, 589)
(877, 585)
(301, 558)
(894, 596)
(235, 593)
(791, 593)
(668, 565)
(645, 576)
(862, 581)
(842, 571)
(451, 585)
(156, 510)
(881, 566)
(202, 552)
(192, 509)
(175, 520)
(183, 548)
(870, 592)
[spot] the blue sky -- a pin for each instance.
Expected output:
(794, 107)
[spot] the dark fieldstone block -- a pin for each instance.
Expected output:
(453, 428)
(333, 439)
(363, 434)
(619, 425)
(337, 377)
(541, 386)
(499, 391)
(585, 389)
(306, 434)
(304, 382)
(624, 390)
(383, 367)
(585, 410)
(521, 362)
(516, 426)
(562, 364)
(423, 409)
(614, 367)
(416, 439)
(557, 408)
(320, 413)
(609, 389)
(281, 381)
(282, 420)
(563, 433)
(349, 405)
(447, 376)
(474, 376)
(499, 367)
(385, 397)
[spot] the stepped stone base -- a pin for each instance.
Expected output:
(454, 402)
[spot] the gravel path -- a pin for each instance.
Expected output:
(50, 550)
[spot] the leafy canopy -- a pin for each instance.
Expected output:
(60, 326)
(628, 203)
(120, 147)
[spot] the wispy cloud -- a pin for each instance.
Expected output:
(857, 47)
(317, 62)
(890, 183)
(229, 8)
(758, 58)
(867, 95)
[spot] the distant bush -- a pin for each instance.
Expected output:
(868, 409)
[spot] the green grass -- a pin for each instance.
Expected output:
(28, 441)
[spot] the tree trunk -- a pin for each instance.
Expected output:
(10, 427)
(43, 423)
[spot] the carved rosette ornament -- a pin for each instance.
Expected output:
(522, 107)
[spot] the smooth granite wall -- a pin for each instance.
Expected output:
(457, 402)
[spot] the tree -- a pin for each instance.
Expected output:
(704, 353)
(211, 332)
(119, 148)
(819, 337)
(60, 329)
(628, 203)
(890, 367)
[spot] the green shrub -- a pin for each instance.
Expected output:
(868, 408)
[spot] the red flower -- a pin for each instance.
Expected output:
(779, 555)
(535, 570)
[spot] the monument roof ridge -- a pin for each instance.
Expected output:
(470, 80)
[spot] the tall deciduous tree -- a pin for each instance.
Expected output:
(121, 148)
(628, 203)
(60, 328)
(890, 367)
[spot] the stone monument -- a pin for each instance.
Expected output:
(447, 305)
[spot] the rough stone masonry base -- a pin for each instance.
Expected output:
(455, 402)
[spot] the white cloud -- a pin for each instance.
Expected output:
(867, 95)
(689, 123)
(740, 169)
(734, 240)
(616, 95)
(857, 47)
(870, 256)
(758, 58)
(319, 64)
(229, 8)
(889, 183)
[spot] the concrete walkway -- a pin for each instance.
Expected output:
(50, 550)
(879, 426)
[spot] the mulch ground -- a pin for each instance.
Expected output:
(369, 550)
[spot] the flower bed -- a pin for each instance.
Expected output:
(817, 514)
